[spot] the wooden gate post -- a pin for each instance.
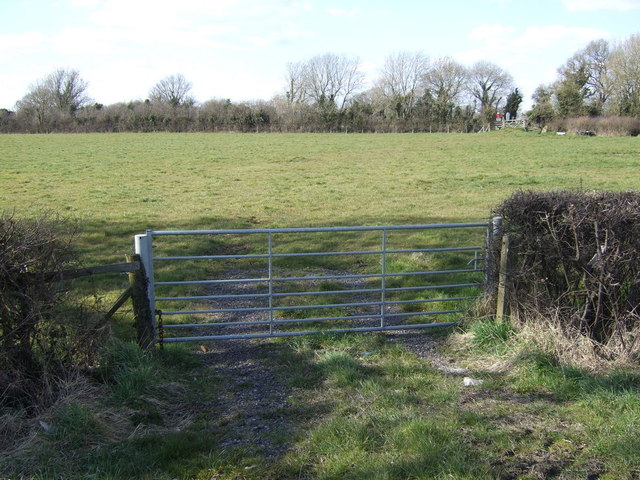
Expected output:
(144, 316)
(494, 233)
(501, 302)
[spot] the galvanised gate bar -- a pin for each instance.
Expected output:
(285, 287)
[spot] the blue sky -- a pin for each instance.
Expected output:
(239, 49)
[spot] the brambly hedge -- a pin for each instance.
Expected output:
(574, 257)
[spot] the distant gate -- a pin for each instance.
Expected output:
(254, 283)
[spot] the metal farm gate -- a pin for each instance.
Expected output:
(254, 283)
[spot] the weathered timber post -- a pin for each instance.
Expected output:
(494, 233)
(144, 316)
(501, 297)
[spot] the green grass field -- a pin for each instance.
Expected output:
(117, 185)
(360, 406)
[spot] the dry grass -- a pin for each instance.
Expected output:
(613, 126)
(22, 432)
(92, 419)
(552, 336)
(548, 335)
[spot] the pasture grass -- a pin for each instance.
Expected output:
(117, 185)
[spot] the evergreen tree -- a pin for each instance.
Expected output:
(513, 104)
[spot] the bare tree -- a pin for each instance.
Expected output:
(67, 89)
(37, 106)
(489, 84)
(295, 78)
(445, 82)
(332, 79)
(327, 81)
(59, 94)
(401, 81)
(625, 68)
(598, 54)
(586, 77)
(172, 90)
(322, 88)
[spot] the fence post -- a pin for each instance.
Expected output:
(143, 293)
(501, 297)
(144, 247)
(144, 317)
(494, 232)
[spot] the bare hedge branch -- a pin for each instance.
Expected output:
(38, 326)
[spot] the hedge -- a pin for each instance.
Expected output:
(574, 255)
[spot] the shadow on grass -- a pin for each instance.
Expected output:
(335, 406)
(204, 445)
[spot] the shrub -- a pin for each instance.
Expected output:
(39, 327)
(575, 256)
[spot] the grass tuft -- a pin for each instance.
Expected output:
(491, 336)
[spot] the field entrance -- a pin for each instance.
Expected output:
(253, 283)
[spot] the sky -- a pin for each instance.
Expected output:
(239, 49)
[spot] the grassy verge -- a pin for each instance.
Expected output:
(125, 419)
(357, 406)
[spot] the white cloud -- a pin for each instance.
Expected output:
(83, 41)
(85, 3)
(229, 24)
(609, 5)
(305, 5)
(340, 12)
(559, 36)
(491, 33)
(123, 46)
(532, 55)
(13, 45)
(159, 14)
(508, 45)
(146, 40)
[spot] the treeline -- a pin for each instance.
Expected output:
(326, 94)
(227, 116)
(322, 94)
